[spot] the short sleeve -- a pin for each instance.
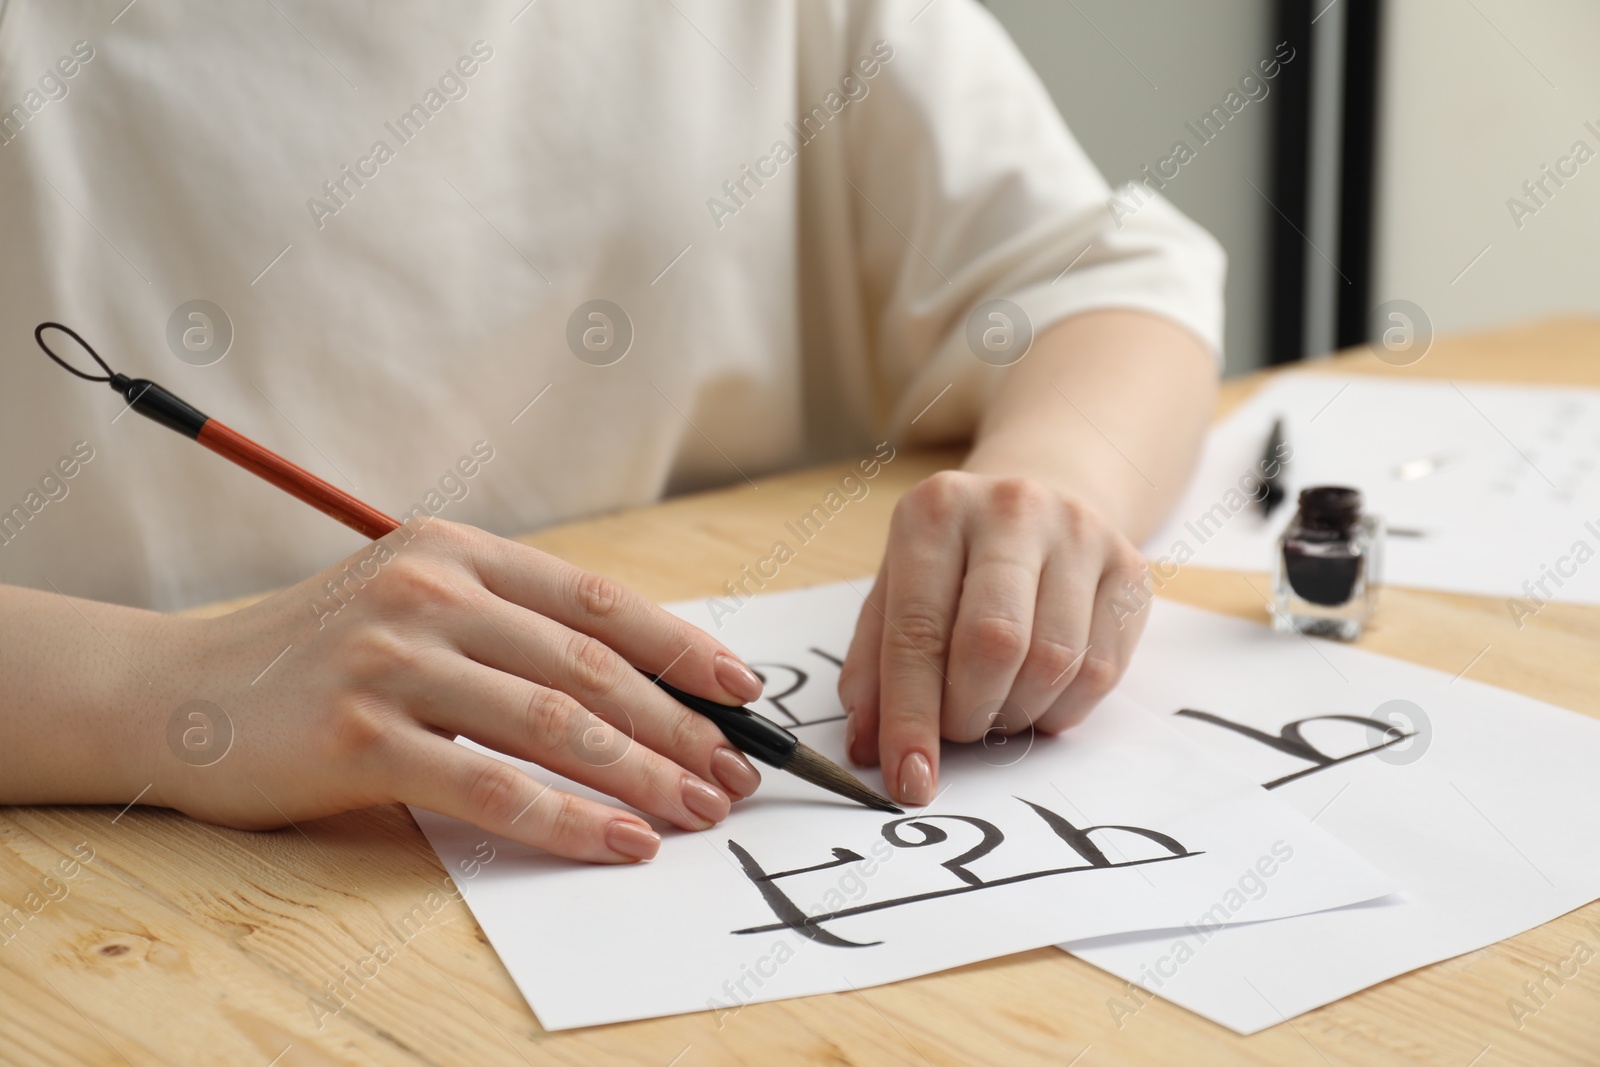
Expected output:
(964, 186)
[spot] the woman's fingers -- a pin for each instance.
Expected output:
(550, 728)
(859, 678)
(643, 633)
(1113, 635)
(924, 564)
(518, 642)
(452, 780)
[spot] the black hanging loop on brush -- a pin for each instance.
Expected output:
(38, 335)
(144, 396)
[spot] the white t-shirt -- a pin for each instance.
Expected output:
(405, 212)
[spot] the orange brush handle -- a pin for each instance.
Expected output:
(297, 481)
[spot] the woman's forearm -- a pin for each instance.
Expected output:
(1109, 406)
(79, 704)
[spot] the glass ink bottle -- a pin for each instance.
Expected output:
(1329, 565)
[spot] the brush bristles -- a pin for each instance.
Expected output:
(811, 765)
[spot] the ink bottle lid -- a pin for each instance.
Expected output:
(1333, 509)
(1328, 560)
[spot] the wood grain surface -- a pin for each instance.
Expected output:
(183, 943)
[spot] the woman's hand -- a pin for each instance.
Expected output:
(390, 656)
(992, 611)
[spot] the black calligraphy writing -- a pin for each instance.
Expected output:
(918, 831)
(1290, 740)
(769, 673)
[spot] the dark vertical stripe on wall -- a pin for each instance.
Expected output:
(1291, 154)
(1359, 171)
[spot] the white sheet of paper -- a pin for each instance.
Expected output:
(1488, 816)
(1514, 487)
(590, 945)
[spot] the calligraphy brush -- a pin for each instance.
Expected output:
(751, 733)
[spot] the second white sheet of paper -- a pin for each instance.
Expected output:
(1497, 486)
(1123, 824)
(1488, 816)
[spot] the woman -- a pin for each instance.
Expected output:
(521, 263)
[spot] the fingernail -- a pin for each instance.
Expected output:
(916, 780)
(632, 840)
(734, 773)
(850, 736)
(704, 801)
(736, 678)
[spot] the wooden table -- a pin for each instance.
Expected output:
(185, 943)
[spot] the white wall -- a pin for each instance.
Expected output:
(1177, 59)
(1475, 100)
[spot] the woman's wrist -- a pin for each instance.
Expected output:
(1006, 456)
(159, 734)
(1109, 407)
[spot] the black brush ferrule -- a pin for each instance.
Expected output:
(157, 404)
(757, 737)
